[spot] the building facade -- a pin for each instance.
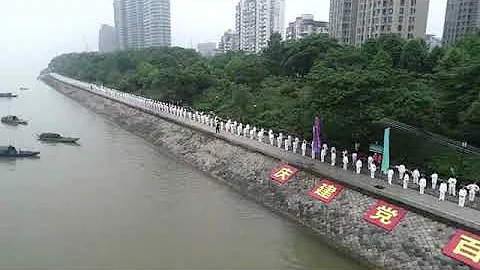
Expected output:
(207, 49)
(305, 25)
(142, 23)
(355, 21)
(256, 21)
(107, 39)
(228, 42)
(433, 41)
(462, 17)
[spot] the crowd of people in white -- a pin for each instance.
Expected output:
(285, 142)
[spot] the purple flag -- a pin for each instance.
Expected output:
(316, 135)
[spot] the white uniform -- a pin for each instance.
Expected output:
(442, 189)
(434, 180)
(401, 171)
(369, 162)
(358, 166)
(451, 186)
(345, 161)
(406, 178)
(390, 173)
(304, 147)
(462, 195)
(422, 184)
(373, 168)
(472, 189)
(354, 158)
(415, 176)
(333, 156)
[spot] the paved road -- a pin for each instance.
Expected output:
(445, 211)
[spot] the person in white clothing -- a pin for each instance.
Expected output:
(295, 144)
(401, 171)
(287, 145)
(252, 134)
(260, 136)
(271, 137)
(369, 162)
(451, 186)
(422, 184)
(373, 168)
(415, 176)
(406, 179)
(280, 140)
(354, 158)
(358, 166)
(333, 156)
(472, 189)
(323, 152)
(304, 147)
(345, 160)
(442, 189)
(462, 195)
(434, 177)
(390, 173)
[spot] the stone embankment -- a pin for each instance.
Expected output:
(416, 243)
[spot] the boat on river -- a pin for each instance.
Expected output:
(10, 151)
(24, 88)
(55, 137)
(7, 95)
(13, 120)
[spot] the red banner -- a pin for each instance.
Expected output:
(326, 191)
(283, 173)
(384, 215)
(464, 247)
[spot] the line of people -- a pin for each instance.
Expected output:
(284, 142)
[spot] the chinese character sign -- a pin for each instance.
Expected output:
(283, 173)
(464, 247)
(384, 215)
(326, 191)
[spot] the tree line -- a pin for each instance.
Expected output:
(290, 82)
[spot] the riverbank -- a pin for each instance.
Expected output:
(415, 244)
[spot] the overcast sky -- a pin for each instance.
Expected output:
(34, 31)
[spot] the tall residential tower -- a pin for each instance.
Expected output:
(256, 21)
(354, 21)
(462, 17)
(142, 23)
(107, 39)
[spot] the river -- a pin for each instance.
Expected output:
(116, 202)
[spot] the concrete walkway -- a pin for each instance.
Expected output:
(428, 205)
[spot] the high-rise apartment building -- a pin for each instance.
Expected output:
(305, 25)
(462, 17)
(228, 42)
(256, 21)
(354, 21)
(142, 23)
(107, 39)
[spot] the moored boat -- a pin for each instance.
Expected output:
(55, 137)
(24, 88)
(8, 95)
(10, 151)
(13, 120)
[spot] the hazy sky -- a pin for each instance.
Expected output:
(34, 31)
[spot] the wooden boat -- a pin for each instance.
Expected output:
(55, 137)
(7, 95)
(13, 120)
(10, 151)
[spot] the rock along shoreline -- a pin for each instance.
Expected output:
(416, 243)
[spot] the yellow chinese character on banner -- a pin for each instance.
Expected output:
(325, 190)
(385, 214)
(468, 247)
(283, 173)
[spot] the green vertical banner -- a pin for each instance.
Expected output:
(386, 151)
